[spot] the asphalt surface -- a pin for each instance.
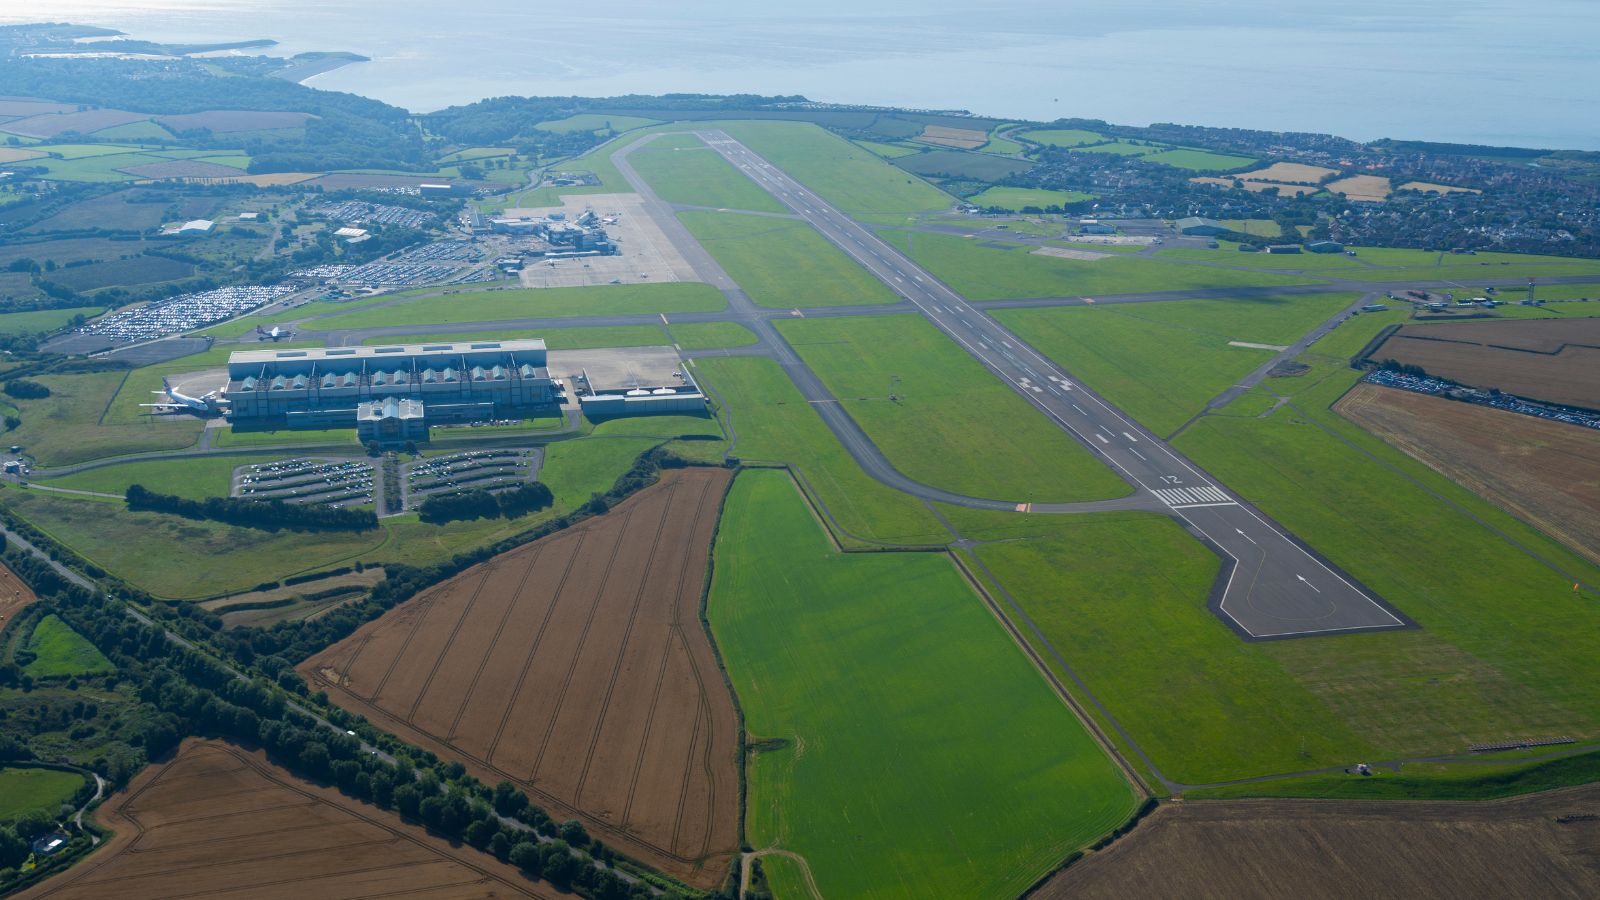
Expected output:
(1276, 586)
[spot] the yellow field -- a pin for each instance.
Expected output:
(17, 154)
(962, 138)
(1375, 188)
(1436, 188)
(1290, 173)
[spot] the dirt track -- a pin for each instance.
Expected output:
(1557, 360)
(1311, 849)
(1546, 472)
(576, 667)
(220, 821)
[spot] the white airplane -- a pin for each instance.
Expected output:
(208, 404)
(276, 334)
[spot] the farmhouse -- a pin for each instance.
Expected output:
(1199, 225)
(342, 387)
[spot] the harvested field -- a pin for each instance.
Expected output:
(1557, 360)
(87, 122)
(1290, 173)
(1546, 472)
(1371, 188)
(226, 120)
(22, 107)
(960, 138)
(123, 272)
(1286, 190)
(1436, 188)
(182, 168)
(1311, 849)
(276, 179)
(576, 667)
(220, 820)
(14, 594)
(17, 154)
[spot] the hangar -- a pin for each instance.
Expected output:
(450, 382)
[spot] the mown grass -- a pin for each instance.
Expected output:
(196, 478)
(1063, 137)
(783, 263)
(681, 168)
(853, 179)
(916, 761)
(950, 423)
(984, 272)
(24, 791)
(61, 652)
(774, 423)
(1015, 199)
(711, 335)
(554, 338)
(525, 303)
(66, 427)
(44, 319)
(594, 122)
(1199, 160)
(1427, 781)
(1161, 362)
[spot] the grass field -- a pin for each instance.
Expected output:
(774, 423)
(711, 335)
(783, 263)
(1198, 160)
(910, 762)
(66, 427)
(23, 791)
(196, 478)
(490, 306)
(554, 338)
(1015, 199)
(983, 272)
(1161, 362)
(44, 319)
(683, 169)
(1121, 148)
(888, 151)
(288, 437)
(852, 179)
(61, 652)
(952, 424)
(1062, 137)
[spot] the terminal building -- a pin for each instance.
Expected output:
(350, 387)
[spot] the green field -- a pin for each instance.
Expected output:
(60, 652)
(983, 272)
(1199, 160)
(774, 424)
(554, 338)
(44, 319)
(1161, 362)
(134, 131)
(855, 180)
(952, 424)
(711, 335)
(525, 303)
(1015, 199)
(1121, 148)
(195, 478)
(1062, 137)
(594, 122)
(68, 426)
(24, 791)
(907, 761)
(84, 151)
(683, 169)
(783, 263)
(888, 151)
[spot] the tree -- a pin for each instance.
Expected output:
(407, 799)
(525, 856)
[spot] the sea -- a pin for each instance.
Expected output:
(1471, 71)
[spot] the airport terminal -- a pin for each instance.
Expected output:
(431, 384)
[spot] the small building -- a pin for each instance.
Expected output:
(392, 420)
(46, 844)
(1283, 248)
(1325, 247)
(350, 232)
(1374, 307)
(1200, 225)
(197, 226)
(444, 189)
(509, 264)
(249, 216)
(1096, 228)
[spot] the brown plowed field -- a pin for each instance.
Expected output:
(1546, 472)
(1335, 849)
(14, 594)
(220, 821)
(1557, 360)
(576, 667)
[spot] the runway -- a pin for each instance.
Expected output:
(1275, 585)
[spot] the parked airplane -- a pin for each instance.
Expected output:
(276, 334)
(208, 404)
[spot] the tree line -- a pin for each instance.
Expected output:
(481, 504)
(267, 514)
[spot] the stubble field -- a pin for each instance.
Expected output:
(577, 667)
(1546, 359)
(1538, 846)
(220, 821)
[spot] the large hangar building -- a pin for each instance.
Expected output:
(330, 387)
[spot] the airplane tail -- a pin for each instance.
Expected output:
(167, 384)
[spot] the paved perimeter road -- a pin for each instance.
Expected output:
(1276, 588)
